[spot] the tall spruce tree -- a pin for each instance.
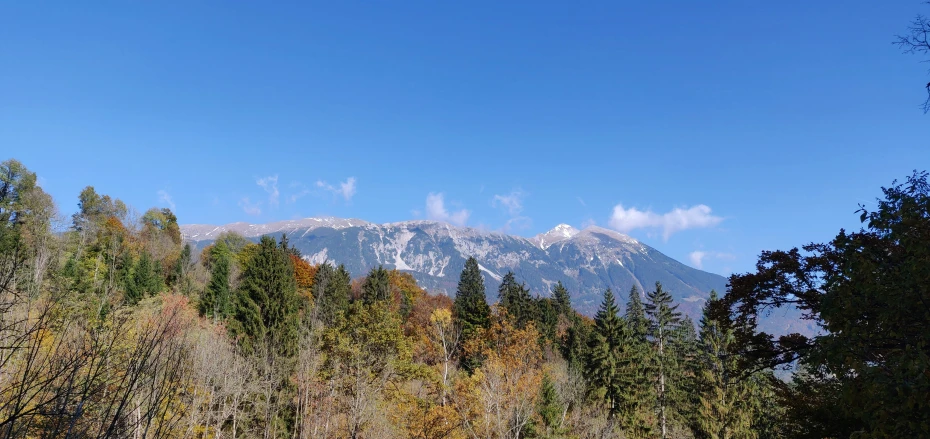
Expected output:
(605, 350)
(145, 280)
(470, 308)
(266, 307)
(516, 299)
(216, 299)
(377, 286)
(664, 323)
(724, 403)
(562, 299)
(331, 288)
(637, 370)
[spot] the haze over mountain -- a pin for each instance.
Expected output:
(586, 261)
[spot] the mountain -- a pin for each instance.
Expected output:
(585, 261)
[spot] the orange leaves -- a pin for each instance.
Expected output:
(304, 274)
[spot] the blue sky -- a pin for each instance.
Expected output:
(723, 127)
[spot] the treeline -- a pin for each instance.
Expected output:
(113, 327)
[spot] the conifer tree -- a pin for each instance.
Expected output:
(470, 308)
(664, 322)
(516, 299)
(637, 371)
(724, 408)
(215, 301)
(549, 409)
(605, 352)
(377, 286)
(562, 299)
(331, 292)
(144, 281)
(266, 308)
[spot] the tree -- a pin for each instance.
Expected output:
(562, 299)
(145, 280)
(638, 370)
(550, 410)
(516, 299)
(605, 349)
(724, 407)
(916, 41)
(470, 309)
(869, 291)
(266, 306)
(331, 292)
(664, 322)
(377, 285)
(216, 299)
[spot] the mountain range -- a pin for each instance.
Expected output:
(586, 261)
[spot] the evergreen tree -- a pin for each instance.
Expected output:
(724, 408)
(470, 308)
(549, 410)
(516, 299)
(636, 315)
(178, 278)
(144, 281)
(637, 370)
(377, 286)
(605, 353)
(215, 301)
(562, 299)
(266, 306)
(331, 292)
(664, 322)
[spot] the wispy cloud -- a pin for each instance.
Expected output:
(249, 207)
(581, 201)
(678, 219)
(345, 189)
(436, 210)
(270, 185)
(301, 191)
(165, 197)
(512, 202)
(697, 257)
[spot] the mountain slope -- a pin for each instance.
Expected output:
(586, 261)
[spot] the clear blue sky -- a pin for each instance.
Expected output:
(778, 116)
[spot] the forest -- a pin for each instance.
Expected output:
(111, 326)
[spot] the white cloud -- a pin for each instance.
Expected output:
(588, 223)
(250, 208)
(695, 217)
(436, 210)
(518, 223)
(346, 189)
(697, 257)
(270, 185)
(512, 202)
(165, 197)
(581, 201)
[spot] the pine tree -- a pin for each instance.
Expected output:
(215, 301)
(562, 299)
(144, 281)
(550, 410)
(470, 309)
(605, 353)
(266, 307)
(377, 286)
(516, 299)
(637, 370)
(724, 404)
(331, 292)
(664, 322)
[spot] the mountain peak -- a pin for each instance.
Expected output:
(558, 233)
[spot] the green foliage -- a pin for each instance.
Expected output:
(144, 281)
(605, 352)
(563, 303)
(377, 286)
(869, 292)
(516, 299)
(331, 288)
(266, 305)
(549, 410)
(470, 309)
(216, 300)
